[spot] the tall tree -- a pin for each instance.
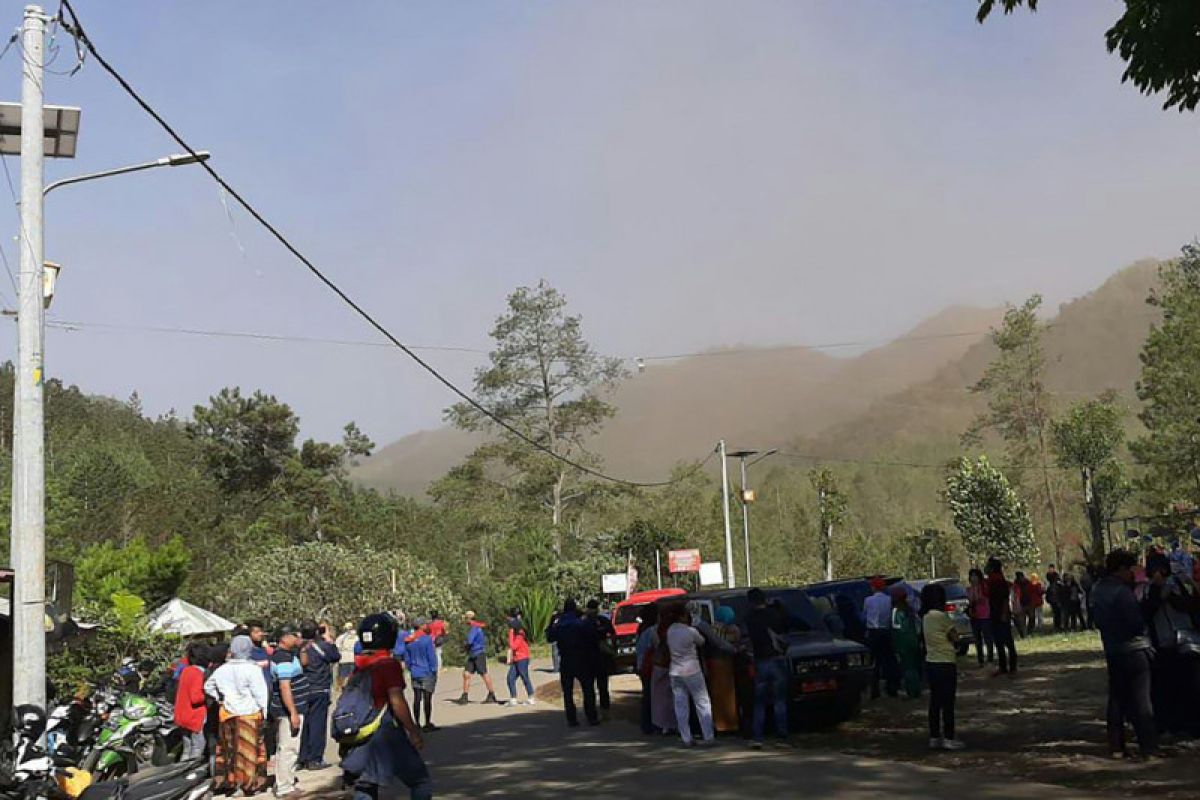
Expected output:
(992, 519)
(1159, 41)
(247, 440)
(831, 510)
(1087, 439)
(1019, 404)
(546, 382)
(1170, 450)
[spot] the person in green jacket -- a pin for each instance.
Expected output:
(906, 639)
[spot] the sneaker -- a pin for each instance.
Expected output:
(513, 703)
(429, 727)
(783, 744)
(462, 701)
(953, 744)
(491, 700)
(532, 701)
(707, 743)
(936, 744)
(1117, 755)
(756, 745)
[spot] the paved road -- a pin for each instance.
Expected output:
(528, 752)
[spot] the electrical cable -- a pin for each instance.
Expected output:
(75, 28)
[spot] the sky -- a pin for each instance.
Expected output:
(690, 173)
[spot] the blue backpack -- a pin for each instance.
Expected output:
(355, 719)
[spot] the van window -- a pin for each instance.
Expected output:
(701, 611)
(629, 615)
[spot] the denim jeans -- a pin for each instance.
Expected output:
(693, 688)
(193, 746)
(519, 669)
(771, 686)
(316, 728)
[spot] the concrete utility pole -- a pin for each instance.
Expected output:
(29, 536)
(732, 582)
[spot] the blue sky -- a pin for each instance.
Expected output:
(690, 173)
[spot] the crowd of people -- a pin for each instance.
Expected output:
(257, 696)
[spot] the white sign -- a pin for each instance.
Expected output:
(711, 574)
(615, 583)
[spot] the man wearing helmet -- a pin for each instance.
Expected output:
(391, 753)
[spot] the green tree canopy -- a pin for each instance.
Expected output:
(991, 518)
(152, 573)
(336, 583)
(1087, 440)
(1168, 388)
(1159, 40)
(247, 440)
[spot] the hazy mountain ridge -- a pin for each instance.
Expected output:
(675, 411)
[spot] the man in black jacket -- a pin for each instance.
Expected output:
(1127, 653)
(577, 647)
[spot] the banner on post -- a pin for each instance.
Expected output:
(711, 574)
(683, 561)
(615, 583)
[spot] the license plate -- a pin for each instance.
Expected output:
(626, 651)
(809, 687)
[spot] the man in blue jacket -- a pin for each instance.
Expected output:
(420, 653)
(476, 660)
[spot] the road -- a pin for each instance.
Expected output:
(528, 752)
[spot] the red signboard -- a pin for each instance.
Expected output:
(683, 561)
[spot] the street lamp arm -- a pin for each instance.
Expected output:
(767, 454)
(165, 161)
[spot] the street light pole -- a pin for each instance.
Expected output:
(741, 456)
(725, 509)
(29, 473)
(746, 520)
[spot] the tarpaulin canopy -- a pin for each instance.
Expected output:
(184, 619)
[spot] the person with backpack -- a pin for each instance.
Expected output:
(577, 645)
(191, 710)
(321, 654)
(606, 652)
(420, 654)
(380, 741)
(766, 626)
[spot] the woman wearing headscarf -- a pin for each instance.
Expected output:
(662, 699)
(722, 669)
(906, 639)
(239, 686)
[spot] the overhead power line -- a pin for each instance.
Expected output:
(75, 27)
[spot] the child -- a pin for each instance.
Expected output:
(941, 642)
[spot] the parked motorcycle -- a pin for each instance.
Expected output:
(138, 733)
(29, 772)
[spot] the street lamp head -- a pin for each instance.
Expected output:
(50, 272)
(182, 159)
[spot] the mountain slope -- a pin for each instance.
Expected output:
(760, 397)
(1092, 344)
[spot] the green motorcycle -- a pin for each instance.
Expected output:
(138, 733)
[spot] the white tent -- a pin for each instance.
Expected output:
(184, 619)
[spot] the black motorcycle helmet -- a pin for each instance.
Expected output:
(29, 720)
(378, 632)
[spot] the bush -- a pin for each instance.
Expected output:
(123, 633)
(336, 584)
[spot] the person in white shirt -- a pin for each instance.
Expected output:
(241, 689)
(687, 679)
(877, 614)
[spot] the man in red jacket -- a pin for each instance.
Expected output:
(191, 710)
